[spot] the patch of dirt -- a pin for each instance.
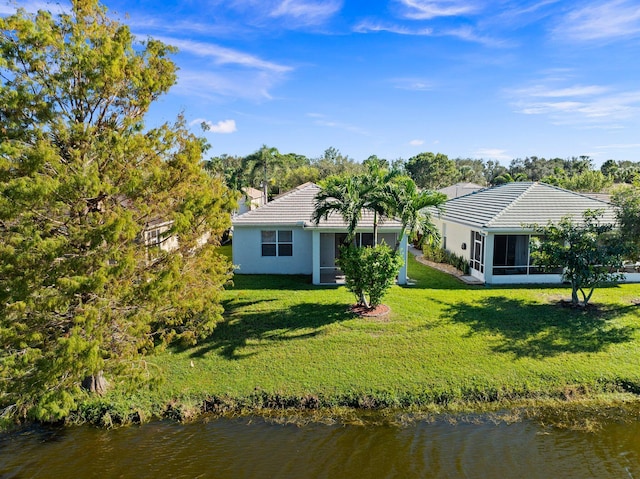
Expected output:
(364, 312)
(444, 267)
(591, 307)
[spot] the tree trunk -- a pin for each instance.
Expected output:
(574, 295)
(363, 300)
(375, 228)
(96, 383)
(265, 184)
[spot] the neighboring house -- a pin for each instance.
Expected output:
(155, 235)
(250, 200)
(460, 189)
(281, 238)
(491, 228)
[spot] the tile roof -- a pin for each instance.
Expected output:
(460, 189)
(296, 208)
(516, 205)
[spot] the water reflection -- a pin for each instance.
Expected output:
(253, 448)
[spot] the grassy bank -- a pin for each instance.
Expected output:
(444, 345)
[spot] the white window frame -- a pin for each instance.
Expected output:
(281, 239)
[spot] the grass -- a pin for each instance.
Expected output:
(285, 342)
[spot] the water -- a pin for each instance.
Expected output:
(253, 448)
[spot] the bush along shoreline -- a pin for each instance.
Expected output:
(569, 407)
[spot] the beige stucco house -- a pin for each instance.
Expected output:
(491, 228)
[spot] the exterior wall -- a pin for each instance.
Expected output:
(524, 278)
(155, 236)
(247, 252)
(247, 203)
(455, 235)
(248, 259)
(456, 239)
(631, 278)
(323, 252)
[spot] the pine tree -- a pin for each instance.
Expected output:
(82, 294)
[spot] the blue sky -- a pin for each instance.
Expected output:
(467, 78)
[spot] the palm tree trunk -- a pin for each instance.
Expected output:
(265, 183)
(375, 228)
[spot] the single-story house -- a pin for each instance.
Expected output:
(155, 235)
(491, 228)
(251, 199)
(460, 189)
(281, 238)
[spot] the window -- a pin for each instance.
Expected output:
(366, 239)
(510, 254)
(154, 238)
(277, 243)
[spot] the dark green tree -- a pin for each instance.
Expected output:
(230, 169)
(471, 170)
(84, 289)
(627, 201)
(589, 257)
(335, 163)
(587, 181)
(432, 171)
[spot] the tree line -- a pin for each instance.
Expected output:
(273, 172)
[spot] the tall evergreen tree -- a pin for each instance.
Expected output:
(81, 183)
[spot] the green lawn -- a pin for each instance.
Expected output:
(443, 342)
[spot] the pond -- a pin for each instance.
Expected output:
(256, 448)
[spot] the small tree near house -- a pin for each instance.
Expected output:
(369, 271)
(585, 250)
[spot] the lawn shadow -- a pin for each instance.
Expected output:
(528, 329)
(239, 327)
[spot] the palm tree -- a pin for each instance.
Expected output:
(342, 195)
(408, 204)
(375, 190)
(263, 162)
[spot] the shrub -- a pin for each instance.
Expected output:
(369, 271)
(441, 255)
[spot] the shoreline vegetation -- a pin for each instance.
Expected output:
(292, 352)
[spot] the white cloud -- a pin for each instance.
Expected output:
(290, 13)
(572, 91)
(492, 154)
(9, 8)
(581, 105)
(223, 126)
(416, 142)
(213, 86)
(222, 55)
(412, 84)
(619, 146)
(599, 20)
(322, 120)
(367, 26)
(428, 9)
(465, 33)
(305, 12)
